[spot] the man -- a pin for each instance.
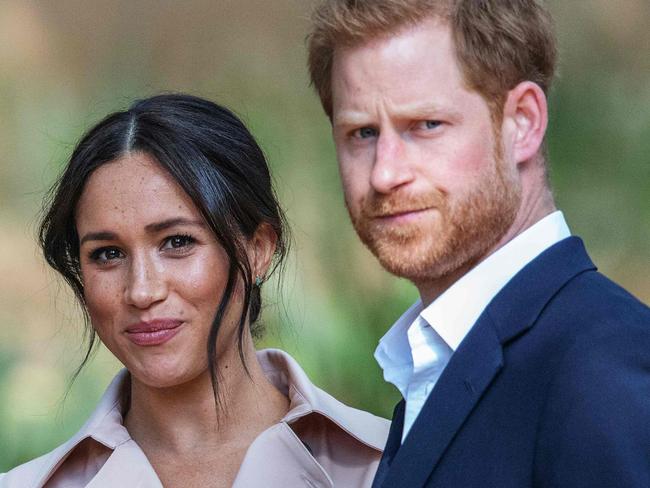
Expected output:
(521, 365)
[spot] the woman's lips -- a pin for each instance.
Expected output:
(153, 333)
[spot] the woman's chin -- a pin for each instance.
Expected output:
(162, 376)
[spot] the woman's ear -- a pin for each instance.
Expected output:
(525, 118)
(261, 250)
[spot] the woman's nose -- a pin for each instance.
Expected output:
(146, 283)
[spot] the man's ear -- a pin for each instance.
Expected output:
(525, 118)
(261, 249)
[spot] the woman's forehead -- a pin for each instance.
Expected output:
(132, 190)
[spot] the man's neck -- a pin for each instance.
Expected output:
(533, 208)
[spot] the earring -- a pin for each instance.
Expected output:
(258, 281)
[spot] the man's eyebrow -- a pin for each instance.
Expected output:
(350, 117)
(149, 228)
(429, 110)
(355, 118)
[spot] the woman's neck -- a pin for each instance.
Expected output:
(183, 421)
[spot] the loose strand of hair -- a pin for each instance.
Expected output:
(213, 336)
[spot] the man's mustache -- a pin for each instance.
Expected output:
(378, 205)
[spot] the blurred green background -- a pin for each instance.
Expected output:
(64, 64)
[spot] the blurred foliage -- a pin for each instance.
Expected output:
(65, 64)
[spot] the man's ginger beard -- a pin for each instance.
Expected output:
(463, 230)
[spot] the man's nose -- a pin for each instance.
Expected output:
(146, 283)
(392, 167)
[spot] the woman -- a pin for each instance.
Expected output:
(166, 226)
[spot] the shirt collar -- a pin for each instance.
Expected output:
(394, 352)
(306, 399)
(454, 312)
(105, 424)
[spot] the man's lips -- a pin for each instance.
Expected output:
(154, 332)
(401, 214)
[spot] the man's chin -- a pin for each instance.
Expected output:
(411, 263)
(416, 270)
(422, 261)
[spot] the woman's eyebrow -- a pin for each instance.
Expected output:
(98, 236)
(149, 228)
(166, 224)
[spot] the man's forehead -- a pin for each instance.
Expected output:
(415, 73)
(396, 38)
(428, 42)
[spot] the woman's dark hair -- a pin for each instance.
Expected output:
(215, 160)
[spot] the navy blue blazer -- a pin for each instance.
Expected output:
(550, 388)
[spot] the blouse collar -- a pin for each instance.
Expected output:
(105, 424)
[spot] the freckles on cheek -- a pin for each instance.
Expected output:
(103, 301)
(203, 282)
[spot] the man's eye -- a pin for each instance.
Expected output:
(365, 132)
(178, 242)
(430, 124)
(106, 254)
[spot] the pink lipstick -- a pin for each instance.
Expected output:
(153, 333)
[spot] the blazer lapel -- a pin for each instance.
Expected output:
(392, 444)
(479, 359)
(469, 372)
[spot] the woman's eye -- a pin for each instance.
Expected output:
(106, 254)
(365, 132)
(178, 242)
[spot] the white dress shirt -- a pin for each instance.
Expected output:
(416, 349)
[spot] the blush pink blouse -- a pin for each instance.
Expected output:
(319, 443)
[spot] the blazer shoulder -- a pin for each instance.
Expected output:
(599, 304)
(599, 392)
(604, 331)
